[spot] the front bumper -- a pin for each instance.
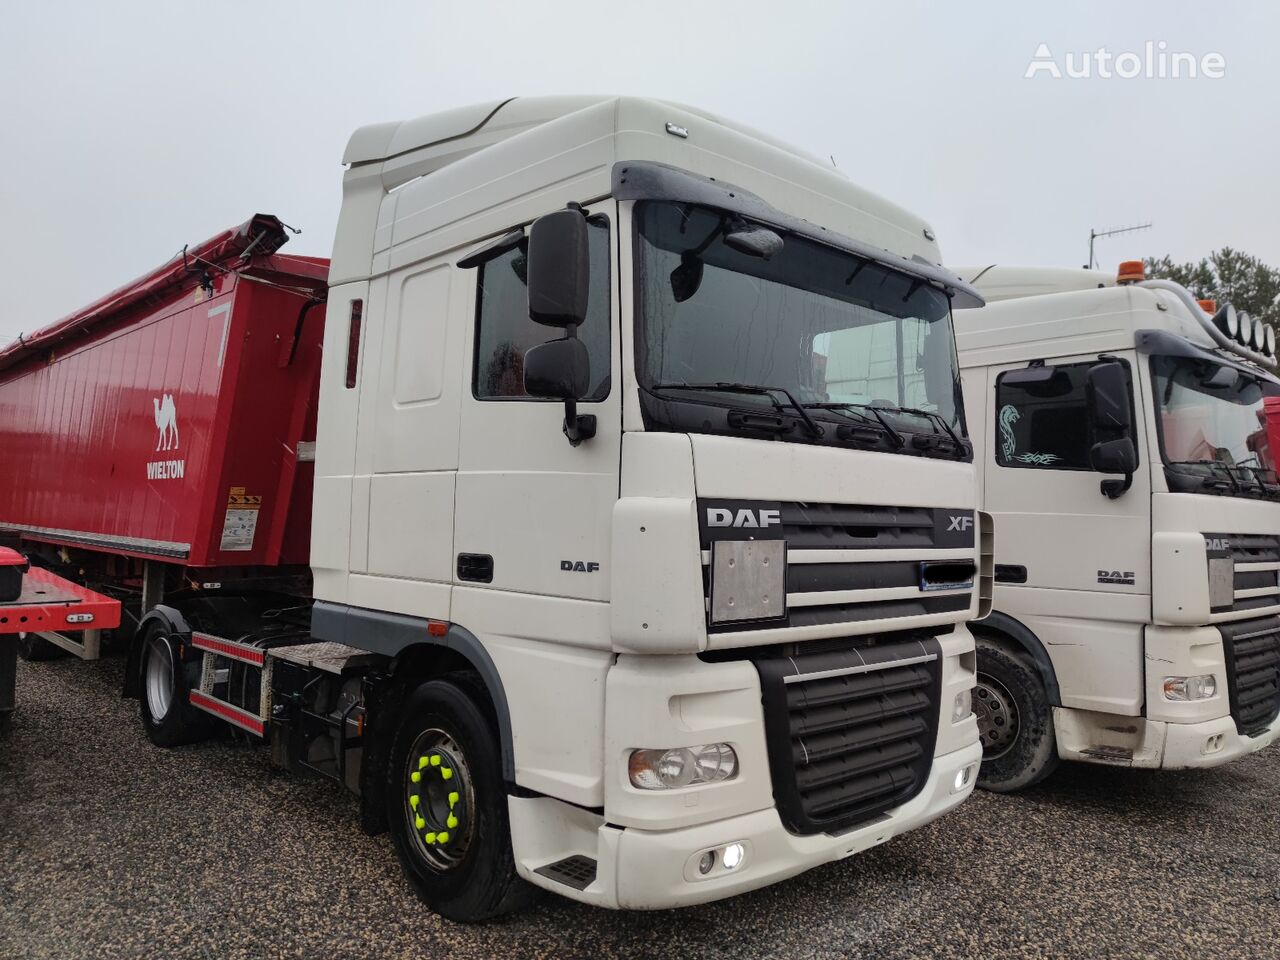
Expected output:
(1154, 744)
(655, 869)
(1211, 743)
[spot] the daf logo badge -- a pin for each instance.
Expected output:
(754, 519)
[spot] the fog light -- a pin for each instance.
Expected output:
(706, 862)
(1190, 688)
(732, 856)
(964, 778)
(681, 766)
(963, 705)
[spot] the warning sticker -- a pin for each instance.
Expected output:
(238, 529)
(237, 498)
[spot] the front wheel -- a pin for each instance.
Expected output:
(447, 806)
(1015, 720)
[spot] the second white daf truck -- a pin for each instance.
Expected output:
(1122, 442)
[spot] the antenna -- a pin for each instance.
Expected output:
(1095, 234)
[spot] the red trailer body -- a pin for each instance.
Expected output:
(165, 421)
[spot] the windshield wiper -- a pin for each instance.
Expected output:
(771, 392)
(894, 436)
(936, 418)
(1210, 481)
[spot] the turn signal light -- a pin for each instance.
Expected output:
(1208, 306)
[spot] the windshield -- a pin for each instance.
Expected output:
(1212, 417)
(820, 328)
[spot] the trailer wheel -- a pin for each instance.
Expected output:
(447, 805)
(164, 682)
(1015, 720)
(33, 648)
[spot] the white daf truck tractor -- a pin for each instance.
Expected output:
(644, 527)
(1122, 441)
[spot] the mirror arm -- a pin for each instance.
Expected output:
(1115, 489)
(578, 427)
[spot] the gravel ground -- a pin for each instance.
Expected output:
(112, 848)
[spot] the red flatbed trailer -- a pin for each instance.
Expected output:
(46, 603)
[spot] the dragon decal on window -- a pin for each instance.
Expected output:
(1009, 415)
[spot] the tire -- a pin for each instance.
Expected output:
(35, 649)
(164, 682)
(471, 876)
(6, 720)
(1015, 720)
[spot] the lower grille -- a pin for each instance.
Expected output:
(850, 732)
(1252, 651)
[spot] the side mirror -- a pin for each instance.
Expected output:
(1114, 456)
(558, 370)
(558, 269)
(1106, 390)
(1107, 396)
(559, 272)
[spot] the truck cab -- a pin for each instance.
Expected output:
(1121, 435)
(651, 426)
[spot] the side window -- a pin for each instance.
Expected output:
(504, 331)
(1045, 424)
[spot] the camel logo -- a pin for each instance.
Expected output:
(166, 422)
(166, 415)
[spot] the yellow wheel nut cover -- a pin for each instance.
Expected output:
(422, 762)
(419, 822)
(415, 776)
(430, 838)
(453, 799)
(446, 773)
(414, 801)
(435, 760)
(443, 837)
(452, 821)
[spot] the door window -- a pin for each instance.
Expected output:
(1045, 424)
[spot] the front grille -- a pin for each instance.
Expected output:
(1247, 550)
(840, 528)
(851, 731)
(1252, 649)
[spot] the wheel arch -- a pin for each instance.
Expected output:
(171, 620)
(1002, 627)
(416, 655)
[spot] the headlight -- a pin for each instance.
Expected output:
(963, 705)
(681, 766)
(1190, 688)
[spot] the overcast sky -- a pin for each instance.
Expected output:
(131, 128)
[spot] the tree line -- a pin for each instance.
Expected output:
(1228, 276)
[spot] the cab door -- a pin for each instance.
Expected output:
(533, 511)
(1073, 565)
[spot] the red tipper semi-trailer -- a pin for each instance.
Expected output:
(161, 440)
